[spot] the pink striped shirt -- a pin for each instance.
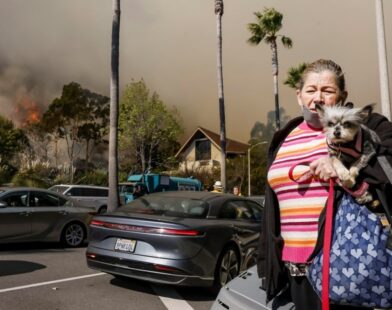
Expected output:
(300, 205)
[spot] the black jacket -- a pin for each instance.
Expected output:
(270, 265)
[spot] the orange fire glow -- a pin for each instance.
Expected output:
(27, 111)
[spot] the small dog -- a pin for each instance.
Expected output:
(351, 144)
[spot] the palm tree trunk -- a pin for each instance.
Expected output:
(114, 201)
(275, 70)
(219, 13)
(382, 61)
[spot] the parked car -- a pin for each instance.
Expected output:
(180, 237)
(93, 197)
(244, 292)
(32, 214)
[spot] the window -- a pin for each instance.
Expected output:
(18, 199)
(237, 209)
(40, 199)
(256, 209)
(203, 149)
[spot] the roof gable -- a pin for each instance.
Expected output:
(232, 146)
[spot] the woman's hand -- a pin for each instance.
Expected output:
(322, 168)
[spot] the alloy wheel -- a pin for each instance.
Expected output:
(229, 267)
(74, 235)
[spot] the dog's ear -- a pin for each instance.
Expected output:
(319, 109)
(348, 105)
(366, 111)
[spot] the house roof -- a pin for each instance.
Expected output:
(232, 146)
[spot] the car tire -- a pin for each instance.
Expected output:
(227, 267)
(102, 210)
(73, 235)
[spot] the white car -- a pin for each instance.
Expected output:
(93, 197)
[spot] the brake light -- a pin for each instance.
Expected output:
(165, 268)
(145, 229)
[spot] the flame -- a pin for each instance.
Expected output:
(27, 111)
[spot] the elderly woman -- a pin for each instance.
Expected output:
(293, 221)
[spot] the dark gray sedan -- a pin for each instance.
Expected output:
(182, 238)
(32, 214)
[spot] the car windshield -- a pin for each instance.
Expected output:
(58, 189)
(168, 206)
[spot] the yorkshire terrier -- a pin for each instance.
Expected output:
(351, 144)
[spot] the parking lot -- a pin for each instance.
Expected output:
(48, 276)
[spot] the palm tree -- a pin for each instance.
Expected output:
(114, 99)
(269, 22)
(219, 13)
(294, 75)
(382, 61)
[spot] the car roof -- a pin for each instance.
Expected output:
(82, 186)
(25, 188)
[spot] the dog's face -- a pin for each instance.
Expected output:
(342, 122)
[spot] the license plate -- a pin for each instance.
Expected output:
(125, 245)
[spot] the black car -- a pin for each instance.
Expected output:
(182, 238)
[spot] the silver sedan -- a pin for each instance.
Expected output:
(32, 214)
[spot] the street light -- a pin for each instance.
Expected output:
(249, 149)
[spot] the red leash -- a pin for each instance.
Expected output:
(327, 248)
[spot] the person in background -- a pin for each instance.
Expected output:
(236, 191)
(293, 220)
(217, 187)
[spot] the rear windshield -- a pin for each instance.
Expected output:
(168, 206)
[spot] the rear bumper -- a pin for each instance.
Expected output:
(146, 270)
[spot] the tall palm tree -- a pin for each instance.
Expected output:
(114, 107)
(382, 61)
(294, 75)
(269, 22)
(219, 13)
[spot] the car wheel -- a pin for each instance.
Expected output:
(73, 235)
(102, 210)
(228, 266)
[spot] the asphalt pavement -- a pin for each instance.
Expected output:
(50, 277)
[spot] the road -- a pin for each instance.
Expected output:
(50, 277)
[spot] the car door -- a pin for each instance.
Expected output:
(244, 222)
(48, 214)
(15, 217)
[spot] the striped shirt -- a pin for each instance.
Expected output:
(300, 204)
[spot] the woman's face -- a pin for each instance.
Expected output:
(320, 88)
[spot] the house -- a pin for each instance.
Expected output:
(202, 150)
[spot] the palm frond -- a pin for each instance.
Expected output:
(287, 42)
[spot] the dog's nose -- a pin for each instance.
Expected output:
(337, 133)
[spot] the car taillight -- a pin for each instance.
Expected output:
(145, 229)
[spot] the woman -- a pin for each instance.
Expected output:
(292, 230)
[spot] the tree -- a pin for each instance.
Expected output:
(72, 116)
(114, 199)
(294, 75)
(12, 141)
(269, 22)
(218, 14)
(147, 128)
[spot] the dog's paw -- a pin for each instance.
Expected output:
(365, 198)
(354, 171)
(347, 180)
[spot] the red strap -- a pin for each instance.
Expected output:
(327, 248)
(305, 177)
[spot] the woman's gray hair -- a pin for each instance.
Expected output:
(321, 65)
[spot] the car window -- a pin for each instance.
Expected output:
(75, 191)
(41, 199)
(237, 209)
(59, 189)
(16, 199)
(168, 206)
(256, 209)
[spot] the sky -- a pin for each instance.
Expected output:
(171, 44)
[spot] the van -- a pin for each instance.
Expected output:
(93, 197)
